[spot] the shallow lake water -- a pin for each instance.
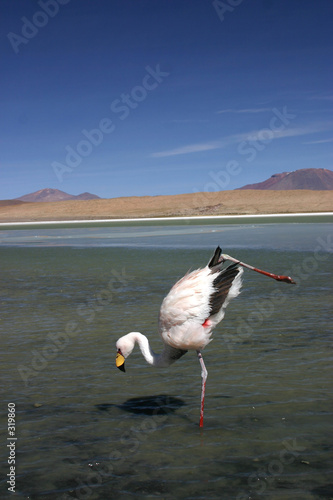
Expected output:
(86, 430)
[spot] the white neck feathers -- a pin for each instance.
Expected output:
(127, 343)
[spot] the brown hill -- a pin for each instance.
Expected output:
(10, 202)
(235, 202)
(318, 179)
(87, 196)
(48, 194)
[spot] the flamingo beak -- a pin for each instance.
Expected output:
(120, 362)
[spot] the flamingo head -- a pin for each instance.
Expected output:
(125, 346)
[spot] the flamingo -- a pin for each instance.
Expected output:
(190, 312)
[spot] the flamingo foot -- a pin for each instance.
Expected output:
(286, 279)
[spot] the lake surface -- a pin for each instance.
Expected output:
(86, 430)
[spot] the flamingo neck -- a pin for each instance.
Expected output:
(159, 360)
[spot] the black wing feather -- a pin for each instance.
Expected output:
(214, 261)
(222, 284)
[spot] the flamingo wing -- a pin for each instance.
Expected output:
(223, 283)
(196, 303)
(188, 299)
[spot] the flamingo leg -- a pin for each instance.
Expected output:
(286, 279)
(204, 374)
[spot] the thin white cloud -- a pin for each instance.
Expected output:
(246, 110)
(263, 134)
(320, 141)
(189, 120)
(321, 98)
(189, 148)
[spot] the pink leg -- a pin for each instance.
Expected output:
(286, 279)
(204, 374)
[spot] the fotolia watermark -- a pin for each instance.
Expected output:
(121, 108)
(129, 443)
(56, 342)
(249, 148)
(263, 309)
(40, 19)
(266, 476)
(222, 7)
(258, 142)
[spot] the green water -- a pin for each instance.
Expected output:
(86, 430)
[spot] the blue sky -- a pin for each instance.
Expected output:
(151, 97)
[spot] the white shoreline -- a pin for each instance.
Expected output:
(157, 219)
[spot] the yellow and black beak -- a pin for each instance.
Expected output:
(120, 362)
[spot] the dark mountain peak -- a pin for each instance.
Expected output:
(49, 194)
(87, 196)
(320, 179)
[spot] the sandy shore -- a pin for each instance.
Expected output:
(244, 202)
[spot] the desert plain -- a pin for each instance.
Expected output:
(237, 202)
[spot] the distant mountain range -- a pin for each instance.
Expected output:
(49, 194)
(305, 178)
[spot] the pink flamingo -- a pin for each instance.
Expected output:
(190, 312)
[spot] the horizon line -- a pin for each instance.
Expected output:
(194, 217)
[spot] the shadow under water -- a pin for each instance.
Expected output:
(148, 405)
